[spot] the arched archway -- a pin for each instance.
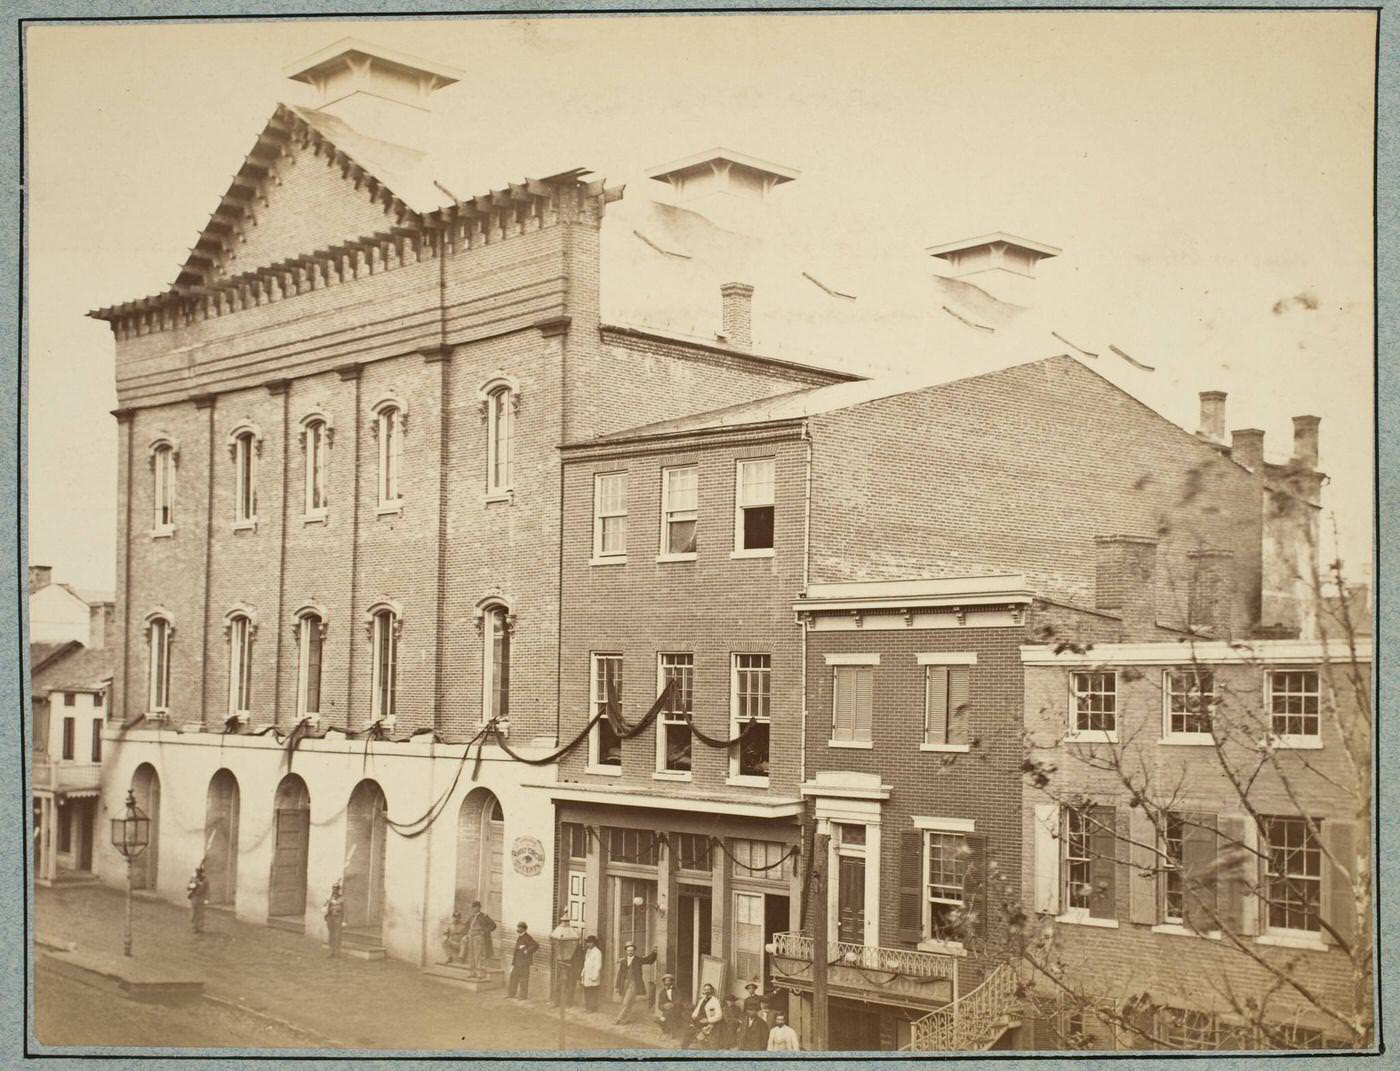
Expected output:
(145, 785)
(286, 895)
(365, 829)
(480, 852)
(221, 837)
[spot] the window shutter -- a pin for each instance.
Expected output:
(841, 703)
(911, 886)
(1047, 858)
(936, 728)
(1103, 864)
(863, 703)
(1144, 880)
(1200, 875)
(1237, 867)
(974, 890)
(1338, 900)
(957, 705)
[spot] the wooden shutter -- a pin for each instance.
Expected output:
(958, 696)
(1047, 858)
(842, 697)
(911, 886)
(1338, 900)
(1237, 867)
(41, 728)
(1143, 878)
(863, 703)
(936, 726)
(1200, 873)
(1103, 864)
(974, 891)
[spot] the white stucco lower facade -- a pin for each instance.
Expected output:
(472, 849)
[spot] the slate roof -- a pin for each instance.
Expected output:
(80, 670)
(41, 654)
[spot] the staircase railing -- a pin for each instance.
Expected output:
(971, 1023)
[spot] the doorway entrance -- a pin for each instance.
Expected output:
(145, 785)
(365, 830)
(850, 900)
(481, 825)
(693, 916)
(221, 838)
(292, 814)
(633, 907)
(853, 1027)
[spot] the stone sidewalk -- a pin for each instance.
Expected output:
(287, 978)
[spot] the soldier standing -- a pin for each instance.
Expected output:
(198, 892)
(334, 913)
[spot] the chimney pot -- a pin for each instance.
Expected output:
(1125, 579)
(1247, 447)
(1305, 440)
(737, 315)
(40, 576)
(1213, 415)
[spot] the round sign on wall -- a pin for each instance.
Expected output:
(527, 853)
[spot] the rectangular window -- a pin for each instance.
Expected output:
(64, 817)
(70, 738)
(1173, 881)
(947, 867)
(1088, 862)
(692, 851)
(680, 511)
(386, 664)
(96, 739)
(1294, 701)
(1190, 701)
(158, 686)
(41, 728)
(768, 859)
(607, 689)
(750, 701)
(498, 441)
(754, 504)
(575, 839)
(240, 666)
(1095, 703)
(673, 727)
(495, 664)
(315, 468)
(946, 693)
(69, 699)
(852, 689)
(245, 494)
(1187, 1028)
(610, 515)
(163, 461)
(1293, 882)
(633, 846)
(390, 427)
(311, 647)
(748, 936)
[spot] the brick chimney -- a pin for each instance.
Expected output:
(1305, 440)
(728, 188)
(40, 576)
(737, 316)
(379, 92)
(1247, 447)
(1210, 595)
(1212, 416)
(1001, 264)
(1125, 579)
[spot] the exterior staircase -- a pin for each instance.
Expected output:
(362, 944)
(971, 1023)
(458, 975)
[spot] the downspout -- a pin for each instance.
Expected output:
(806, 556)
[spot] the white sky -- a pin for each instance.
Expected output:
(1196, 168)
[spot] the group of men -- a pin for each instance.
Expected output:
(468, 940)
(726, 1024)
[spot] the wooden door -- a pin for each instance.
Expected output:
(850, 901)
(287, 895)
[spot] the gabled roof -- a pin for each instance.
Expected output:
(77, 670)
(41, 654)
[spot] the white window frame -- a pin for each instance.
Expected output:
(307, 621)
(1286, 934)
(735, 721)
(1069, 911)
(1299, 741)
(597, 695)
(241, 630)
(671, 716)
(930, 829)
(159, 630)
(316, 468)
(1102, 736)
(492, 615)
(740, 504)
(245, 445)
(390, 426)
(385, 626)
(163, 466)
(1169, 692)
(852, 664)
(600, 555)
(673, 515)
(500, 440)
(1172, 865)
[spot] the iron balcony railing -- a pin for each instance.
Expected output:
(907, 962)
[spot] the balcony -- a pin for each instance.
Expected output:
(60, 777)
(898, 975)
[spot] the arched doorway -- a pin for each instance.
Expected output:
(145, 784)
(365, 830)
(480, 853)
(221, 838)
(291, 840)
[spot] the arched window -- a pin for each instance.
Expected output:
(158, 635)
(317, 444)
(163, 486)
(309, 626)
(498, 441)
(389, 419)
(384, 625)
(496, 627)
(239, 628)
(243, 445)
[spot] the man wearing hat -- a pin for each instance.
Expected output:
(753, 1002)
(334, 914)
(670, 1012)
(752, 1032)
(454, 939)
(198, 892)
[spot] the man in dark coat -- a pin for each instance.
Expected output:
(479, 950)
(752, 1032)
(630, 984)
(520, 962)
(198, 892)
(670, 1011)
(334, 914)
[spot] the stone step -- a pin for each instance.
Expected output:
(290, 923)
(458, 975)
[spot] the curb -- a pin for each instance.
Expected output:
(273, 1020)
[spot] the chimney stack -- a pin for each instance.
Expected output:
(379, 92)
(737, 316)
(1305, 440)
(1001, 264)
(1212, 416)
(1211, 595)
(1125, 579)
(1247, 447)
(728, 188)
(40, 576)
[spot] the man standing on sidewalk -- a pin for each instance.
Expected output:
(591, 975)
(630, 984)
(479, 950)
(782, 1038)
(520, 962)
(334, 913)
(198, 893)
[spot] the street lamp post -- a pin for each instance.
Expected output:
(131, 833)
(565, 938)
